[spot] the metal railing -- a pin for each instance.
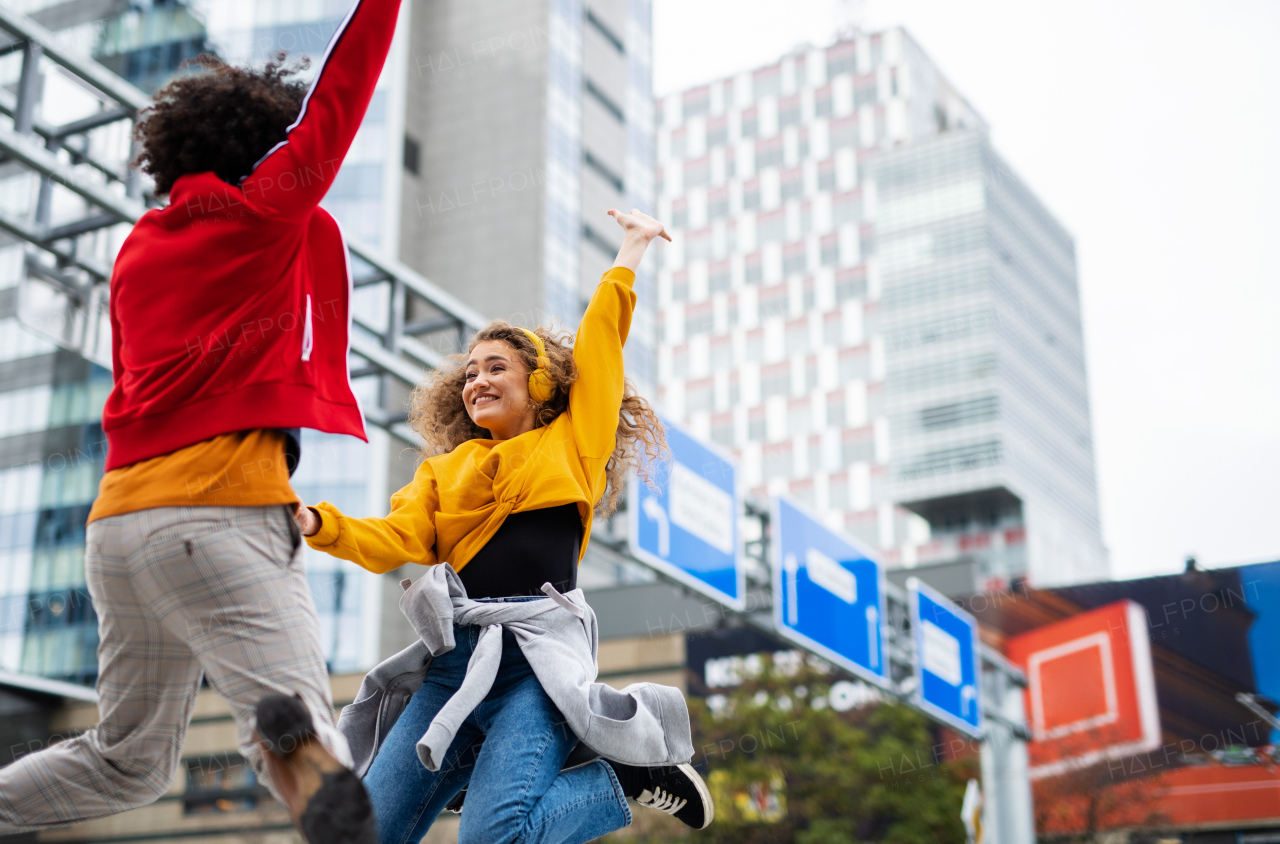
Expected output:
(64, 285)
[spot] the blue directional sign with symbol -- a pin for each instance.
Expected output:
(687, 528)
(828, 593)
(948, 685)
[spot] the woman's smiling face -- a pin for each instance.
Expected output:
(496, 393)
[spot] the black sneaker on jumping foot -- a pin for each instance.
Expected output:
(674, 789)
(327, 802)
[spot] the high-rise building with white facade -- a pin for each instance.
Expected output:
(873, 312)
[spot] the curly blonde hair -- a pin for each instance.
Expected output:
(438, 414)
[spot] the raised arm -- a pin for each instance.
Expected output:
(406, 535)
(296, 173)
(596, 397)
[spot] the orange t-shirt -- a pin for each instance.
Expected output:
(244, 469)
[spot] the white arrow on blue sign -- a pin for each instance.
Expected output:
(687, 528)
(948, 685)
(828, 593)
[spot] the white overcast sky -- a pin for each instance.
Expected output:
(1151, 128)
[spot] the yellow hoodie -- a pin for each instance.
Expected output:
(457, 501)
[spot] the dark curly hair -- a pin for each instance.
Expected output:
(438, 415)
(218, 118)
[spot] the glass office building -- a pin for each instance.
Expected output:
(52, 448)
(805, 304)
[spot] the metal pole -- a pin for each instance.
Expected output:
(28, 89)
(1008, 816)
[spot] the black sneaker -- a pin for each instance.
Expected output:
(327, 803)
(676, 790)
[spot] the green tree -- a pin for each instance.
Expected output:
(785, 766)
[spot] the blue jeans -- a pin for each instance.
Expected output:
(507, 754)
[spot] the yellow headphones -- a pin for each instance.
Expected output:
(541, 387)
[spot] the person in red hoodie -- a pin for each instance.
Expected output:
(230, 313)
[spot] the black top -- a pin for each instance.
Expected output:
(529, 549)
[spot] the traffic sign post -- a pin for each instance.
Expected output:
(687, 528)
(948, 683)
(828, 593)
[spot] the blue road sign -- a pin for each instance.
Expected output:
(828, 593)
(688, 527)
(948, 685)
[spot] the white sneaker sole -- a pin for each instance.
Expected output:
(689, 772)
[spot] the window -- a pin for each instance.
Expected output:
(773, 301)
(599, 241)
(794, 258)
(412, 155)
(680, 286)
(679, 142)
(604, 100)
(722, 429)
(855, 365)
(697, 172)
(680, 361)
(606, 32)
(789, 112)
(768, 153)
(831, 329)
(857, 447)
(756, 424)
(718, 204)
(846, 208)
(835, 410)
(698, 319)
(954, 415)
(841, 58)
(798, 417)
(679, 214)
(750, 194)
(778, 461)
(775, 380)
(220, 784)
(864, 91)
(827, 175)
(717, 131)
(603, 170)
(797, 337)
(960, 459)
(750, 122)
(719, 277)
(830, 249)
(771, 226)
(816, 463)
(697, 246)
(822, 102)
(699, 396)
(697, 102)
(722, 353)
(850, 284)
(768, 82)
(792, 183)
(752, 269)
(844, 132)
(755, 345)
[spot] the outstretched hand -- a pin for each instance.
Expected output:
(307, 520)
(639, 223)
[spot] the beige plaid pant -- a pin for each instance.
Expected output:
(180, 593)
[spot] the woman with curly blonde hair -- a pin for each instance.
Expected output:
(528, 436)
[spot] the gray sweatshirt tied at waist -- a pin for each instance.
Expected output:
(643, 724)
